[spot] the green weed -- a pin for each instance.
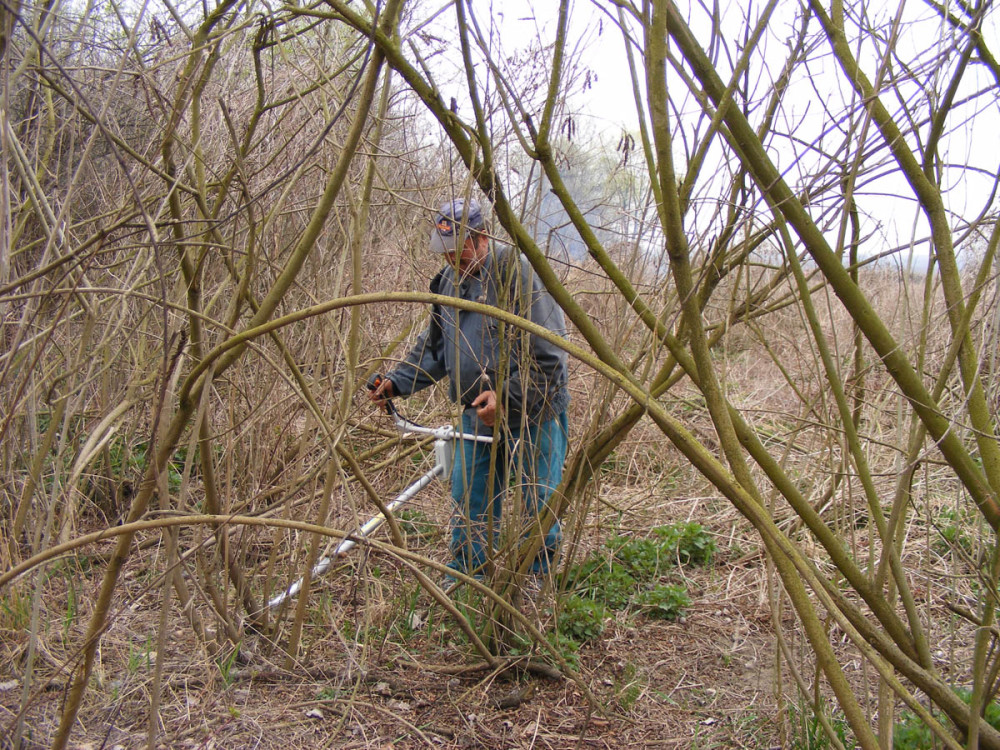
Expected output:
(131, 460)
(664, 602)
(15, 611)
(581, 619)
(349, 629)
(139, 658)
(123, 463)
(71, 607)
(566, 647)
(615, 464)
(689, 543)
(605, 581)
(628, 574)
(416, 525)
(912, 734)
(324, 610)
(563, 644)
(226, 664)
(628, 687)
(951, 526)
(808, 732)
(644, 559)
(406, 606)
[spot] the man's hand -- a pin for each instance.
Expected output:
(382, 391)
(486, 407)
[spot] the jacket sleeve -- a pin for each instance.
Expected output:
(424, 365)
(533, 378)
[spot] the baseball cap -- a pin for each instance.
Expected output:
(455, 220)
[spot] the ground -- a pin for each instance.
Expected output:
(382, 666)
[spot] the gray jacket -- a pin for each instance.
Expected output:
(478, 353)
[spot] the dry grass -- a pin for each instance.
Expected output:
(366, 678)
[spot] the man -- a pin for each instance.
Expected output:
(511, 384)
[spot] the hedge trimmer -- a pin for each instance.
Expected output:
(443, 455)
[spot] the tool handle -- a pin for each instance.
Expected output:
(373, 383)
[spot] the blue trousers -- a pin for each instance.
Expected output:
(533, 455)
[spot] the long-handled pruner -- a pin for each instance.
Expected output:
(444, 436)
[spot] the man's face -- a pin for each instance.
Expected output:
(474, 254)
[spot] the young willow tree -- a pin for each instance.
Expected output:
(168, 173)
(781, 147)
(193, 195)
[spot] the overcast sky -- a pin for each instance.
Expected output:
(818, 97)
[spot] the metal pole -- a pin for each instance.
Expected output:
(404, 497)
(345, 546)
(443, 456)
(407, 429)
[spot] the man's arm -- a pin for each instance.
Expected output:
(423, 365)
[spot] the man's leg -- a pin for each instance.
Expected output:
(543, 468)
(470, 483)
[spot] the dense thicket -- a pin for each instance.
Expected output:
(213, 230)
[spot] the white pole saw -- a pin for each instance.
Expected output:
(443, 455)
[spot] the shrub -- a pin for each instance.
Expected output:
(603, 581)
(581, 619)
(644, 559)
(688, 543)
(664, 602)
(912, 734)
